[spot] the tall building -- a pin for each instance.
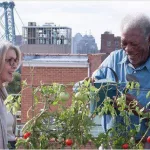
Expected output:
(76, 39)
(19, 41)
(84, 44)
(109, 42)
(48, 38)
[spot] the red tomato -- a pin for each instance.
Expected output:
(69, 142)
(148, 139)
(29, 134)
(125, 146)
(26, 135)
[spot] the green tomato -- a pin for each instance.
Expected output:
(81, 96)
(64, 96)
(132, 140)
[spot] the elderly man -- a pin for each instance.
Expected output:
(133, 59)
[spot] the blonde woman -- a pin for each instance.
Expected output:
(10, 57)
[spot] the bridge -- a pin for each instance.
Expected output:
(8, 27)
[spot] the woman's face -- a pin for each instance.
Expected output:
(10, 65)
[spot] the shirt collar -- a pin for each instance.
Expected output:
(125, 60)
(147, 64)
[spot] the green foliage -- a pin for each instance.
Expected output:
(13, 103)
(75, 122)
(67, 122)
(15, 86)
(148, 94)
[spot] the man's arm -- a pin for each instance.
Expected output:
(97, 74)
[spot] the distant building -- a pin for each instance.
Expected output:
(48, 38)
(76, 39)
(109, 42)
(84, 44)
(19, 40)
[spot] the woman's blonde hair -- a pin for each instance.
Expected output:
(4, 47)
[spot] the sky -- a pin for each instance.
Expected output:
(85, 17)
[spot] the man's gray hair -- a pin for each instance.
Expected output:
(136, 21)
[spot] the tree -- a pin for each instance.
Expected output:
(15, 86)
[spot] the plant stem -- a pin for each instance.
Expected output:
(143, 136)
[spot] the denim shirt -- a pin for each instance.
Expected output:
(118, 61)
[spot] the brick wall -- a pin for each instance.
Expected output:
(107, 38)
(49, 75)
(95, 60)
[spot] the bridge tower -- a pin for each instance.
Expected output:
(9, 25)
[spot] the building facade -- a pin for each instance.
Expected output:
(109, 42)
(48, 38)
(62, 68)
(84, 44)
(75, 40)
(19, 40)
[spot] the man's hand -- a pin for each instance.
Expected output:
(131, 102)
(129, 99)
(91, 79)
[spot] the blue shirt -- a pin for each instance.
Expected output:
(118, 61)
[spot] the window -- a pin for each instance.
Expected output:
(116, 43)
(108, 43)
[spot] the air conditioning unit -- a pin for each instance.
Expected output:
(31, 23)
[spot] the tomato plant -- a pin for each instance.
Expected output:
(81, 96)
(64, 96)
(51, 129)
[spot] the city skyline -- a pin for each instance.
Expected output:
(85, 17)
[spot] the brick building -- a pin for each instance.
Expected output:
(109, 42)
(59, 68)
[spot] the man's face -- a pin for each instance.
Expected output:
(135, 46)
